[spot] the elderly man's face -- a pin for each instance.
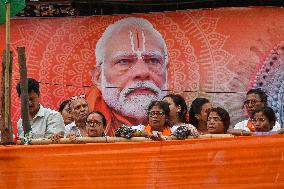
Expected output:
(252, 102)
(135, 69)
(79, 109)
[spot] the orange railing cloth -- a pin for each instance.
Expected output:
(244, 162)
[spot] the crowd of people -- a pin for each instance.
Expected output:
(166, 117)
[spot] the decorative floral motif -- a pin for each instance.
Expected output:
(270, 78)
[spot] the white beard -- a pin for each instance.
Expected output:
(131, 106)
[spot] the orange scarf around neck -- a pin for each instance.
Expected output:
(250, 126)
(166, 130)
(97, 103)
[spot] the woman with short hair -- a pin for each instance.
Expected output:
(157, 127)
(218, 121)
(96, 124)
(263, 121)
(158, 116)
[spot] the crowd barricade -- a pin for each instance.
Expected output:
(227, 162)
(107, 139)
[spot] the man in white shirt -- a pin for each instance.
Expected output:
(45, 122)
(79, 110)
(255, 98)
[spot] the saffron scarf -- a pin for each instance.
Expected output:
(166, 130)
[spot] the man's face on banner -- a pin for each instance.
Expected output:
(135, 69)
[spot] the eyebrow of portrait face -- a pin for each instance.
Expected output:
(121, 54)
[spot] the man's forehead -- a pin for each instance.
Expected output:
(133, 28)
(78, 101)
(259, 114)
(252, 96)
(94, 116)
(133, 33)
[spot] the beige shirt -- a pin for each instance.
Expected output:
(45, 123)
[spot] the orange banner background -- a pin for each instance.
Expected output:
(247, 162)
(214, 53)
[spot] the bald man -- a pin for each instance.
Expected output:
(130, 72)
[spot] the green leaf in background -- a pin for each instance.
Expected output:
(16, 7)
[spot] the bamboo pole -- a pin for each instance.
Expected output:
(132, 139)
(2, 125)
(24, 90)
(84, 140)
(6, 127)
(7, 91)
(217, 136)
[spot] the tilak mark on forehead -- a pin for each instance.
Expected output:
(137, 51)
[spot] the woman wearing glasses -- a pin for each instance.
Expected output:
(158, 115)
(96, 124)
(157, 127)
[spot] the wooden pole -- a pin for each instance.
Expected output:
(6, 130)
(2, 125)
(24, 90)
(84, 140)
(6, 127)
(7, 91)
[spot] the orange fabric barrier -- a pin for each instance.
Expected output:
(246, 162)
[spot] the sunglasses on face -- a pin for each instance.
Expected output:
(93, 123)
(154, 113)
(252, 102)
(78, 97)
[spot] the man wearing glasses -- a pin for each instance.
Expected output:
(255, 98)
(130, 72)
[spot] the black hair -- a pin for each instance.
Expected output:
(179, 101)
(33, 85)
(63, 104)
(268, 112)
(224, 115)
(262, 95)
(101, 114)
(161, 104)
(195, 108)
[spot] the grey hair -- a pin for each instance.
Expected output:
(141, 22)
